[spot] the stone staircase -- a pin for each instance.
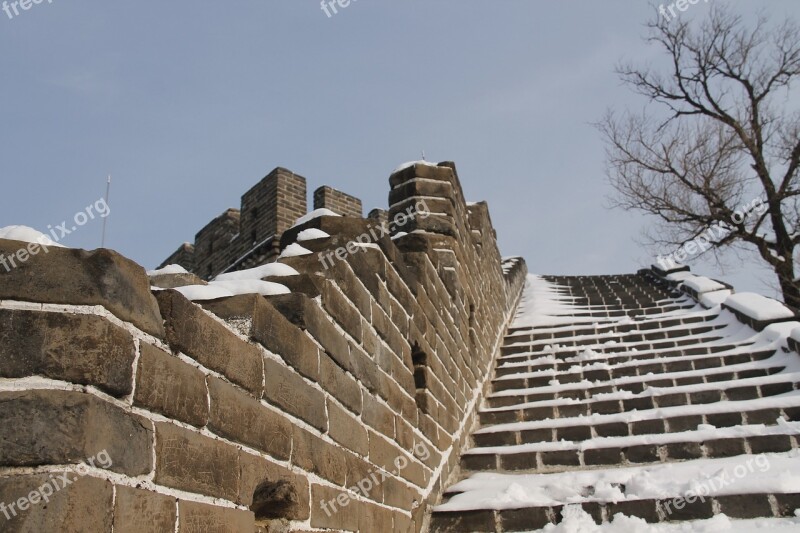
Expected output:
(614, 394)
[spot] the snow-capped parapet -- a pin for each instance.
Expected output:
(223, 289)
(26, 234)
(410, 164)
(316, 213)
(757, 311)
(699, 286)
(311, 234)
(270, 270)
(169, 269)
(295, 250)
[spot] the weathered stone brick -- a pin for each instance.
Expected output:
(83, 506)
(167, 385)
(201, 518)
(305, 313)
(378, 416)
(191, 331)
(745, 505)
(346, 430)
(290, 392)
(333, 508)
(465, 522)
(137, 510)
(63, 427)
(271, 329)
(70, 276)
(238, 417)
(313, 454)
(83, 349)
(192, 462)
(341, 385)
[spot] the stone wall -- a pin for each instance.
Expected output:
(343, 405)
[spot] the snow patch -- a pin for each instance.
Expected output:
(169, 269)
(27, 234)
(310, 234)
(294, 250)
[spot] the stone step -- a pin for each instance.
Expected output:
(651, 423)
(508, 367)
(707, 345)
(720, 377)
(603, 329)
(741, 506)
(626, 455)
(639, 367)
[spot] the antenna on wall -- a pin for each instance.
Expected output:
(105, 219)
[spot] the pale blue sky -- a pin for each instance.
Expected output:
(188, 104)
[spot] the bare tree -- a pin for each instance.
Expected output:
(715, 154)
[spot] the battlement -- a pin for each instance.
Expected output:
(250, 236)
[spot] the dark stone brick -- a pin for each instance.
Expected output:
(602, 456)
(84, 506)
(638, 404)
(787, 503)
(724, 420)
(167, 385)
(679, 424)
(479, 462)
(644, 509)
(574, 433)
(725, 447)
(63, 427)
(561, 457)
(742, 393)
(706, 396)
(745, 505)
(613, 429)
(287, 390)
(518, 461)
(530, 519)
(671, 400)
(82, 349)
(648, 427)
(573, 410)
(645, 453)
(774, 389)
(606, 407)
(537, 435)
(764, 416)
(462, 522)
(71, 276)
(770, 444)
(237, 416)
(687, 508)
(138, 510)
(684, 450)
(503, 438)
(199, 518)
(192, 462)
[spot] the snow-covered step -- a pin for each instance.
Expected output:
(620, 394)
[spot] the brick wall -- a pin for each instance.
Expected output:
(252, 412)
(337, 201)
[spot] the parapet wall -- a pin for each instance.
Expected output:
(342, 405)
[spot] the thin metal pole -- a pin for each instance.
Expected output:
(108, 193)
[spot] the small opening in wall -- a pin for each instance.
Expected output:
(254, 236)
(274, 500)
